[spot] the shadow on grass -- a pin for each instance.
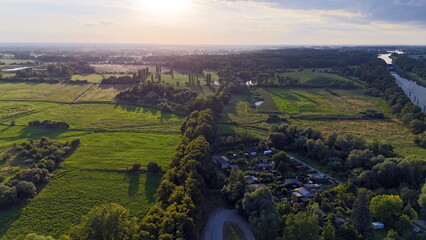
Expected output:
(134, 180)
(151, 185)
(34, 133)
(9, 216)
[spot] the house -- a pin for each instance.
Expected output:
(303, 192)
(216, 158)
(293, 181)
(316, 175)
(223, 164)
(234, 167)
(312, 186)
(262, 167)
(252, 152)
(251, 179)
(220, 161)
(267, 152)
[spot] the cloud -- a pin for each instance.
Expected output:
(393, 11)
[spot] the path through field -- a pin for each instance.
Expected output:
(214, 227)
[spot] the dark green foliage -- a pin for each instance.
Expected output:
(153, 167)
(119, 80)
(107, 221)
(302, 226)
(386, 208)
(361, 216)
(49, 124)
(136, 167)
(235, 186)
(45, 156)
(262, 213)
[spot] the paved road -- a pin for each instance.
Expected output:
(214, 227)
(300, 161)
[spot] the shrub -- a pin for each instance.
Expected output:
(136, 167)
(153, 167)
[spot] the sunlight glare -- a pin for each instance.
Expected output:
(166, 6)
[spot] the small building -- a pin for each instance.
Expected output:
(262, 167)
(316, 175)
(251, 179)
(312, 186)
(303, 192)
(267, 152)
(220, 161)
(252, 152)
(223, 164)
(234, 167)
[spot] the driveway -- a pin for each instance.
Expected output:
(213, 230)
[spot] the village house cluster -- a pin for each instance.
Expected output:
(299, 182)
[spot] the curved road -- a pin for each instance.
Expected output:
(213, 230)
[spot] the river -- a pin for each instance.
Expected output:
(415, 92)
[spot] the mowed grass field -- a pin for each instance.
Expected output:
(318, 101)
(41, 91)
(91, 116)
(319, 79)
(112, 136)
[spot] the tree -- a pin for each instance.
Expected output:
(422, 197)
(153, 167)
(107, 221)
(302, 226)
(25, 189)
(328, 232)
(235, 186)
(262, 212)
(392, 235)
(386, 208)
(33, 236)
(361, 216)
(404, 225)
(282, 161)
(136, 167)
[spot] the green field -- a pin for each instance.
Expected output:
(113, 137)
(41, 91)
(318, 101)
(320, 79)
(92, 116)
(92, 78)
(320, 110)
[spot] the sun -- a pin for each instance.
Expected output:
(166, 6)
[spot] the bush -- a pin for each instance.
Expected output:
(136, 167)
(153, 167)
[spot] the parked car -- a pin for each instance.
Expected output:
(377, 225)
(416, 229)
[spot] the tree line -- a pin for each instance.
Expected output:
(48, 124)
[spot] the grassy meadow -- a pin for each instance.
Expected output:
(57, 92)
(113, 137)
(318, 79)
(320, 110)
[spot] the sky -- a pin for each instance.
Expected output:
(217, 22)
